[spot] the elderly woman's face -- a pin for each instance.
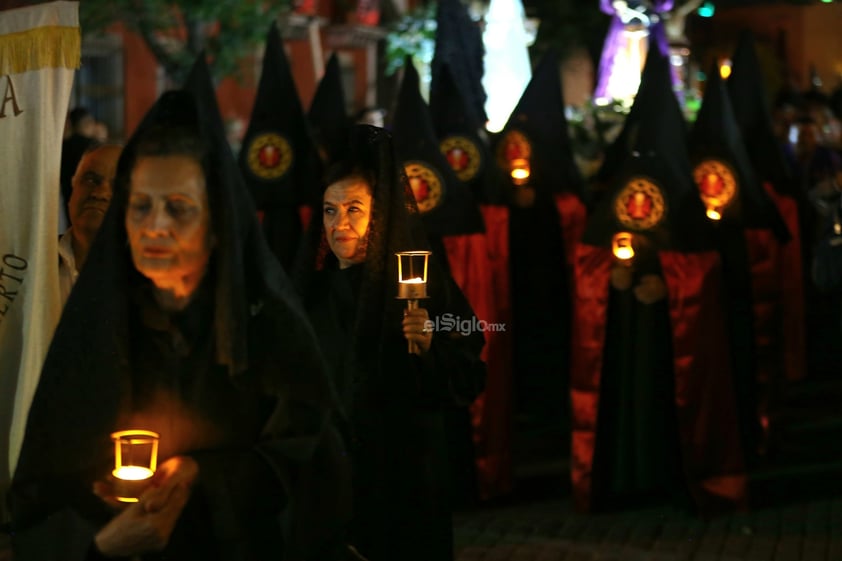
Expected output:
(168, 222)
(347, 212)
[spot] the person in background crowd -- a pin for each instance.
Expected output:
(82, 128)
(93, 185)
(100, 131)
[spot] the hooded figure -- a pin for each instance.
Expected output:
(546, 220)
(483, 275)
(745, 86)
(446, 206)
(394, 400)
(328, 114)
(653, 397)
(183, 323)
(617, 152)
(459, 46)
(455, 225)
(749, 234)
(279, 159)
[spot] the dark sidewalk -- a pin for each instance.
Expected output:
(795, 493)
(552, 531)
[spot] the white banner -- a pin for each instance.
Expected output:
(39, 50)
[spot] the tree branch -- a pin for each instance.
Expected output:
(170, 64)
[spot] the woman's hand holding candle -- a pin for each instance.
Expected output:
(416, 329)
(146, 526)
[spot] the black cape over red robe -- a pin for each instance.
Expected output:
(651, 384)
(711, 465)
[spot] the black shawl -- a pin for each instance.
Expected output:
(394, 400)
(89, 380)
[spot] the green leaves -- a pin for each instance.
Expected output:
(413, 35)
(176, 31)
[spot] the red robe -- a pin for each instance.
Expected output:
(573, 218)
(792, 289)
(764, 254)
(711, 456)
(479, 263)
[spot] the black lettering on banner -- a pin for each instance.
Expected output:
(10, 283)
(15, 262)
(9, 95)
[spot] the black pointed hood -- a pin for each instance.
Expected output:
(722, 167)
(459, 45)
(446, 204)
(468, 154)
(279, 159)
(538, 127)
(650, 77)
(751, 107)
(328, 113)
(652, 194)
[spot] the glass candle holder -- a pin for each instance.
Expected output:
(135, 462)
(623, 248)
(412, 274)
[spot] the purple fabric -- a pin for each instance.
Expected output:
(609, 52)
(659, 30)
(614, 38)
(661, 6)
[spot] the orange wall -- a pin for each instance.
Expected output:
(813, 36)
(235, 98)
(140, 79)
(823, 42)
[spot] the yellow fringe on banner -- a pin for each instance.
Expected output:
(50, 46)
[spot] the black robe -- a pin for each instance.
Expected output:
(541, 316)
(243, 432)
(637, 458)
(396, 429)
(235, 381)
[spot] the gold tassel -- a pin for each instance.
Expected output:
(43, 47)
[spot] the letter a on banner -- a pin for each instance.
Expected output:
(40, 47)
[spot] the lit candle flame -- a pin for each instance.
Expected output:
(714, 214)
(622, 245)
(520, 171)
(624, 253)
(725, 69)
(133, 473)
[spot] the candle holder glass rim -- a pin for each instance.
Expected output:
(135, 432)
(413, 253)
(134, 437)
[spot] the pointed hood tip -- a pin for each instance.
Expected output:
(538, 127)
(446, 204)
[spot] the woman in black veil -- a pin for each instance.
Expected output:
(393, 399)
(183, 323)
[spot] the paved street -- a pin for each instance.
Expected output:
(551, 531)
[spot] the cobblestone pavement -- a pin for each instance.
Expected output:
(551, 531)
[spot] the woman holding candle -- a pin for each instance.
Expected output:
(393, 399)
(182, 323)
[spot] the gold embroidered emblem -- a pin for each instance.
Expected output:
(716, 182)
(463, 156)
(269, 156)
(513, 146)
(640, 204)
(426, 185)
